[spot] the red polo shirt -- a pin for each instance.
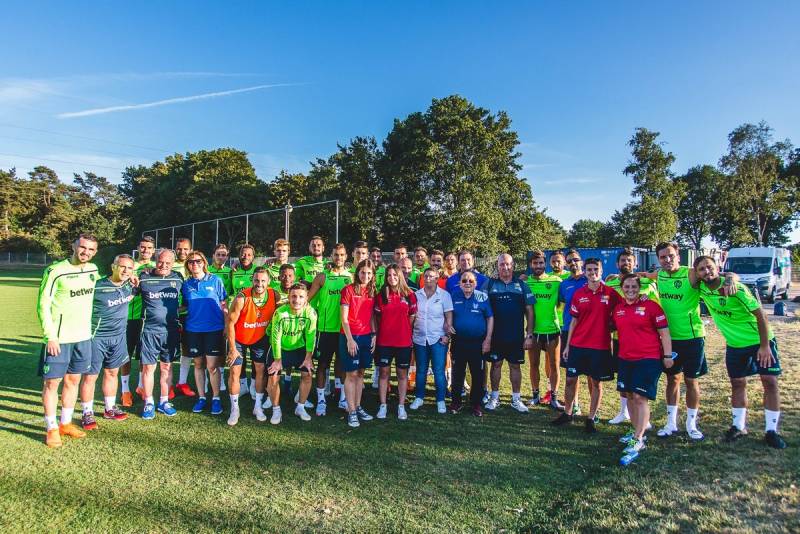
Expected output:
(593, 309)
(394, 326)
(638, 326)
(359, 313)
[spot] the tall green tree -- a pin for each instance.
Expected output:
(698, 208)
(585, 233)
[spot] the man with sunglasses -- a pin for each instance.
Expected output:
(575, 281)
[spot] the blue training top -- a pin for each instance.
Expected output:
(202, 297)
(110, 308)
(160, 295)
(508, 304)
(565, 290)
(454, 280)
(470, 314)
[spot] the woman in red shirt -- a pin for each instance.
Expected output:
(395, 306)
(644, 342)
(357, 338)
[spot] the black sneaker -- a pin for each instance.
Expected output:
(774, 440)
(734, 433)
(589, 427)
(455, 406)
(563, 419)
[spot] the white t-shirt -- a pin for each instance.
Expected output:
(429, 324)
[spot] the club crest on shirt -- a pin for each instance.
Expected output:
(640, 310)
(604, 299)
(677, 284)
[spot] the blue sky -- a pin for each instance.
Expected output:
(576, 78)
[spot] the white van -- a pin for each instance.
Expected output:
(767, 271)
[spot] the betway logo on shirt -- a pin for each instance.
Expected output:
(336, 292)
(257, 324)
(119, 301)
(162, 294)
(671, 296)
(81, 292)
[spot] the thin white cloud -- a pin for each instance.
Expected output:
(169, 101)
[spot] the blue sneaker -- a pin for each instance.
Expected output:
(216, 406)
(148, 412)
(200, 405)
(167, 409)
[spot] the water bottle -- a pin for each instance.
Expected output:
(628, 458)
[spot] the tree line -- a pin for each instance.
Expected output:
(447, 177)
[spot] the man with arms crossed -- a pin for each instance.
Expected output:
(65, 314)
(308, 267)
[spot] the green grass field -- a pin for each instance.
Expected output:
(433, 472)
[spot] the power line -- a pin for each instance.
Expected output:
(68, 146)
(82, 164)
(161, 150)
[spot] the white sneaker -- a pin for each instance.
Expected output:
(300, 411)
(666, 431)
(486, 398)
(252, 390)
(441, 407)
(343, 404)
(401, 412)
(276, 416)
(620, 418)
(381, 412)
(308, 403)
(234, 417)
(259, 413)
(519, 406)
(322, 408)
(417, 404)
(243, 389)
(634, 445)
(267, 404)
(492, 404)
(695, 434)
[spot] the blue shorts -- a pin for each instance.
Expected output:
(293, 359)
(108, 353)
(743, 362)
(258, 351)
(158, 346)
(385, 355)
(639, 376)
(691, 360)
(204, 343)
(595, 363)
(363, 357)
(74, 359)
(512, 352)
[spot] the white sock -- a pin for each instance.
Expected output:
(109, 402)
(496, 395)
(320, 394)
(66, 415)
(337, 383)
(514, 397)
(623, 405)
(87, 407)
(771, 420)
(672, 416)
(162, 400)
(739, 417)
(276, 409)
(183, 374)
(124, 380)
(217, 398)
(259, 399)
(149, 400)
(234, 400)
(50, 422)
(691, 418)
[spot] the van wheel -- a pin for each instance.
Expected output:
(786, 293)
(771, 296)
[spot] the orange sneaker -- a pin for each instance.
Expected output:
(184, 389)
(171, 392)
(140, 392)
(53, 438)
(71, 430)
(127, 399)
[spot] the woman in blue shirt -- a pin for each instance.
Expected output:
(473, 324)
(204, 297)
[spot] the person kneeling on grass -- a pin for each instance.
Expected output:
(294, 334)
(644, 342)
(248, 321)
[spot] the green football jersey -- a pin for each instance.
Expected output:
(733, 315)
(242, 278)
(681, 304)
(648, 289)
(292, 331)
(545, 290)
(307, 268)
(135, 307)
(225, 274)
(329, 298)
(65, 301)
(274, 270)
(563, 275)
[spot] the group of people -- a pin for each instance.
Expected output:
(428, 311)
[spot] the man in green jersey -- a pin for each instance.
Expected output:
(678, 289)
(626, 263)
(219, 267)
(294, 334)
(183, 246)
(65, 314)
(307, 267)
(147, 247)
(327, 287)
(242, 278)
(751, 349)
(280, 250)
(546, 328)
(376, 256)
(557, 263)
(420, 262)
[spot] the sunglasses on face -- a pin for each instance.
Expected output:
(194, 262)
(468, 281)
(574, 260)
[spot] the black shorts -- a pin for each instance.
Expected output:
(293, 359)
(159, 346)
(107, 353)
(691, 360)
(511, 352)
(133, 334)
(639, 376)
(74, 359)
(564, 336)
(742, 362)
(258, 351)
(204, 343)
(385, 355)
(327, 346)
(595, 363)
(542, 341)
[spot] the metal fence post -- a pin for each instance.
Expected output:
(192, 235)
(247, 229)
(337, 222)
(216, 237)
(173, 239)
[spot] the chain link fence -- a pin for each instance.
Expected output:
(26, 258)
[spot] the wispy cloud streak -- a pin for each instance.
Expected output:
(170, 101)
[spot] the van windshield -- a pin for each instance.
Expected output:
(749, 265)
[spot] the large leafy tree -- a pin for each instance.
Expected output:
(585, 233)
(698, 209)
